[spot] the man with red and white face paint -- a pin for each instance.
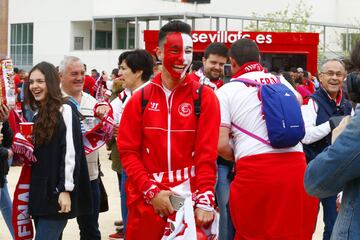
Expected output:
(177, 54)
(170, 153)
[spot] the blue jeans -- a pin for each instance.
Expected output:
(88, 223)
(6, 204)
(6, 207)
(330, 214)
(222, 189)
(48, 229)
(124, 210)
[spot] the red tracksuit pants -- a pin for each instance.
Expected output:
(143, 222)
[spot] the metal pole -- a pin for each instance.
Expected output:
(210, 23)
(217, 24)
(136, 32)
(127, 40)
(113, 45)
(226, 24)
(93, 29)
(160, 22)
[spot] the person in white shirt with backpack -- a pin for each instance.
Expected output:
(267, 196)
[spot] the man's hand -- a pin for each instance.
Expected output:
(64, 202)
(161, 203)
(102, 110)
(1, 137)
(203, 217)
(4, 113)
(339, 129)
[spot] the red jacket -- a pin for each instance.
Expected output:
(89, 84)
(309, 85)
(167, 137)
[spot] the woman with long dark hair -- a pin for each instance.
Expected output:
(56, 178)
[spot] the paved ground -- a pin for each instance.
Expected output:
(106, 220)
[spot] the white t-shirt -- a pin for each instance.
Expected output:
(117, 104)
(240, 104)
(313, 132)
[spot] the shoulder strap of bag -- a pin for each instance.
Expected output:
(145, 100)
(197, 90)
(246, 80)
(251, 134)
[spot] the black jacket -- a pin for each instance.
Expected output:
(327, 108)
(55, 167)
(4, 155)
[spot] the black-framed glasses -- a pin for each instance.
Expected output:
(332, 73)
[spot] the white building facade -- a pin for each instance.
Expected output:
(97, 31)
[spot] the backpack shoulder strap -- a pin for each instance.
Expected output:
(251, 134)
(197, 90)
(145, 94)
(246, 80)
(278, 80)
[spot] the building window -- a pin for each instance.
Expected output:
(21, 45)
(121, 34)
(103, 40)
(79, 43)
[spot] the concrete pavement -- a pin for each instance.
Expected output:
(106, 220)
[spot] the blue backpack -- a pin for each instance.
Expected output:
(282, 114)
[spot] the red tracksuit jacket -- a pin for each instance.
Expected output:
(166, 140)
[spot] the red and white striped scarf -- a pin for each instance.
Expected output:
(21, 219)
(101, 133)
(181, 224)
(249, 67)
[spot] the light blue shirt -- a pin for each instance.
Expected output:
(337, 169)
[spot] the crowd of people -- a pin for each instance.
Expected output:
(195, 158)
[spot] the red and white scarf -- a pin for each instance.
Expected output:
(100, 88)
(181, 224)
(204, 80)
(21, 219)
(101, 133)
(249, 67)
